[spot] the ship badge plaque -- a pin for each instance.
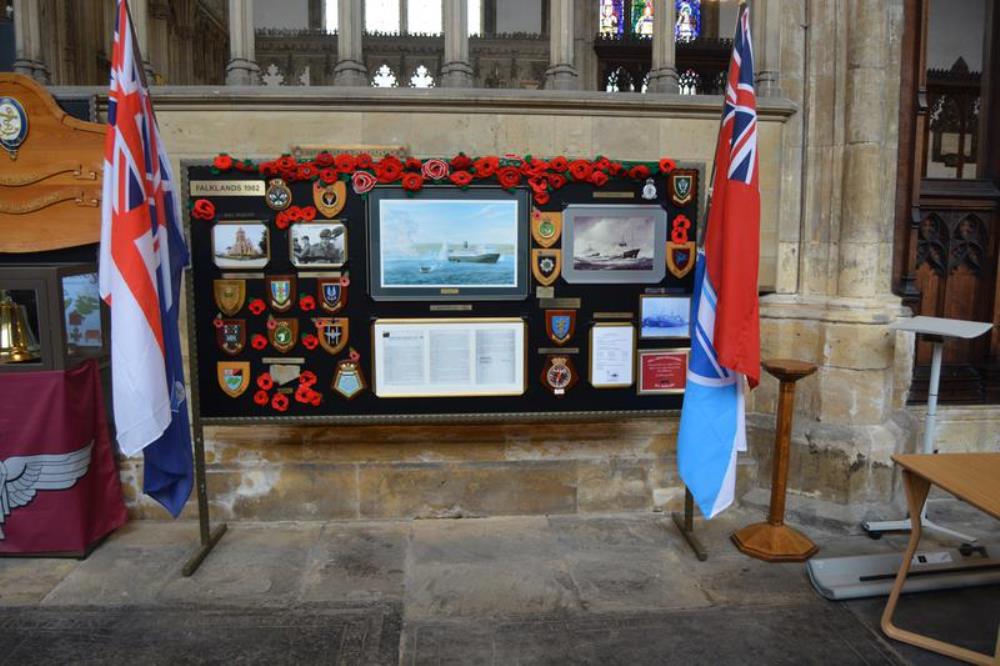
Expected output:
(545, 265)
(329, 199)
(234, 377)
(281, 292)
(349, 380)
(332, 293)
(680, 250)
(13, 125)
(546, 228)
(231, 334)
(229, 295)
(560, 324)
(682, 184)
(277, 196)
(283, 334)
(333, 333)
(559, 375)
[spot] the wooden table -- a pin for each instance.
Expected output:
(971, 477)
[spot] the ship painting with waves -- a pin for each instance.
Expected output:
(603, 244)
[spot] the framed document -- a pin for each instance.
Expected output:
(614, 244)
(662, 371)
(448, 245)
(612, 355)
(432, 358)
(664, 317)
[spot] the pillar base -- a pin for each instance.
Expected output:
(350, 73)
(242, 72)
(562, 77)
(456, 74)
(663, 80)
(32, 68)
(774, 543)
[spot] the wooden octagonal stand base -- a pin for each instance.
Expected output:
(773, 541)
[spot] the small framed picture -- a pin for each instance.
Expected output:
(318, 244)
(244, 245)
(661, 371)
(612, 354)
(664, 317)
(619, 244)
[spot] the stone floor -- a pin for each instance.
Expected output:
(608, 589)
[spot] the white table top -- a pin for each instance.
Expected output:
(950, 328)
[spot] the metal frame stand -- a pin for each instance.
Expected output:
(208, 537)
(685, 524)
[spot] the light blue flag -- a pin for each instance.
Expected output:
(713, 418)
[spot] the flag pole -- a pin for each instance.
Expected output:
(685, 521)
(208, 538)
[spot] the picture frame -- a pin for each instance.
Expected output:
(317, 244)
(661, 371)
(449, 357)
(443, 245)
(614, 244)
(612, 355)
(664, 317)
(241, 245)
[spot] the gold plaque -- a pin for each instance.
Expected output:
(545, 266)
(330, 199)
(227, 188)
(230, 295)
(234, 377)
(333, 333)
(546, 228)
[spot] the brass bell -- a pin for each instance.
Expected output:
(17, 342)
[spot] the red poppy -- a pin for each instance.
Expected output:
(354, 355)
(363, 161)
(307, 378)
(328, 175)
(534, 168)
(667, 165)
(615, 168)
(265, 382)
(310, 341)
(508, 177)
(602, 163)
(268, 169)
(413, 164)
(434, 169)
(294, 213)
(538, 184)
(279, 402)
(461, 162)
(261, 397)
(303, 394)
(486, 166)
(307, 303)
(541, 198)
(271, 324)
(362, 182)
(305, 172)
(203, 210)
(599, 178)
(223, 162)
(412, 182)
(324, 158)
(580, 169)
(639, 172)
(388, 173)
(282, 220)
(317, 398)
(556, 180)
(346, 163)
(460, 178)
(217, 322)
(257, 306)
(286, 163)
(308, 213)
(559, 164)
(258, 341)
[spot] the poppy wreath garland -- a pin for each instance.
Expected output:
(365, 172)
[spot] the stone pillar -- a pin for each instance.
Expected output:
(456, 72)
(139, 10)
(765, 23)
(350, 69)
(561, 74)
(663, 74)
(242, 69)
(157, 49)
(28, 58)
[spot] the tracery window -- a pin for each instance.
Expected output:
(421, 78)
(384, 78)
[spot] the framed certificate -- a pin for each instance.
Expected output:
(662, 371)
(431, 358)
(612, 354)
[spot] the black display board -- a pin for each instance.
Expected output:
(581, 401)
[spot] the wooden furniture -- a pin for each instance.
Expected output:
(971, 477)
(773, 541)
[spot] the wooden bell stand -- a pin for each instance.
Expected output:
(773, 541)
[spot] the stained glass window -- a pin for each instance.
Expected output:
(688, 26)
(609, 17)
(642, 17)
(382, 16)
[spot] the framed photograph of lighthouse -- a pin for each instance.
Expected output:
(614, 244)
(448, 246)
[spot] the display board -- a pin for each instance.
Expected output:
(310, 302)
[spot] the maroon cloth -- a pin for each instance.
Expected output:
(48, 417)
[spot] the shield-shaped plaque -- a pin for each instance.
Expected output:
(560, 324)
(349, 380)
(545, 265)
(234, 377)
(680, 258)
(231, 334)
(284, 334)
(682, 184)
(278, 196)
(332, 293)
(329, 199)
(281, 292)
(229, 295)
(546, 228)
(558, 374)
(333, 333)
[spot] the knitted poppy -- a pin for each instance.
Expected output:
(261, 397)
(258, 341)
(265, 382)
(279, 402)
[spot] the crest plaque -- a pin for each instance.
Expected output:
(329, 199)
(680, 258)
(332, 293)
(333, 333)
(234, 377)
(278, 196)
(284, 334)
(560, 325)
(349, 380)
(13, 125)
(231, 334)
(681, 185)
(545, 266)
(229, 295)
(546, 228)
(558, 374)
(281, 292)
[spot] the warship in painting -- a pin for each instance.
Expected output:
(472, 255)
(623, 255)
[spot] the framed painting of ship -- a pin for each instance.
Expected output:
(242, 245)
(664, 317)
(618, 244)
(445, 245)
